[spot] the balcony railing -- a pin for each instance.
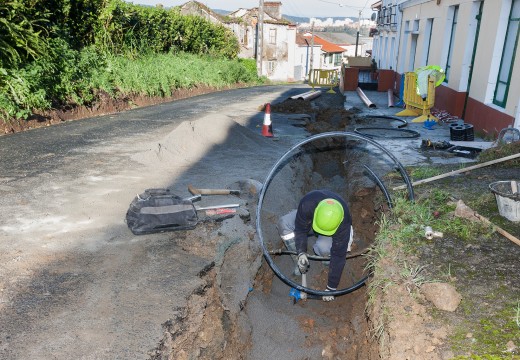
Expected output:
(387, 18)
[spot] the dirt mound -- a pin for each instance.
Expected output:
(327, 111)
(298, 106)
(192, 140)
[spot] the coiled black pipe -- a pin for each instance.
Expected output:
(401, 133)
(403, 122)
(268, 180)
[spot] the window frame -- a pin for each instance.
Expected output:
(272, 36)
(449, 56)
(502, 103)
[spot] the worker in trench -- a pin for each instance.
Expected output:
(327, 215)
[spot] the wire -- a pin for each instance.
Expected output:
(295, 10)
(342, 5)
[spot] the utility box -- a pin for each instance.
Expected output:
(385, 80)
(350, 79)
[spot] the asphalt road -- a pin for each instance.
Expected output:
(74, 282)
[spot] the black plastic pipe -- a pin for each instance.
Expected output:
(268, 180)
(381, 186)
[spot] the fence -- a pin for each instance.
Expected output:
(415, 104)
(320, 77)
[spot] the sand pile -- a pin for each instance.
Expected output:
(193, 140)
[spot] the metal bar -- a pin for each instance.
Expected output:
(217, 207)
(365, 99)
(391, 98)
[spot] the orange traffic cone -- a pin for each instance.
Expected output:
(267, 128)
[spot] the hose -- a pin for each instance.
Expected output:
(268, 180)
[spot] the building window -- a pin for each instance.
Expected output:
(413, 50)
(508, 56)
(427, 35)
(337, 59)
(272, 36)
(391, 59)
(402, 61)
(271, 65)
(452, 42)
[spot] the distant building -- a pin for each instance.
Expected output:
(278, 40)
(199, 9)
(279, 36)
(308, 54)
(348, 43)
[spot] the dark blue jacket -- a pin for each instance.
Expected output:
(303, 225)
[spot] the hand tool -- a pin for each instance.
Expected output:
(196, 191)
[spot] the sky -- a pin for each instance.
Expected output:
(303, 8)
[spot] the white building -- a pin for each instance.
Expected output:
(475, 42)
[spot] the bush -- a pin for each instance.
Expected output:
(20, 34)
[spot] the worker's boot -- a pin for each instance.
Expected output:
(291, 246)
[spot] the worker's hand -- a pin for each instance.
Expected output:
(328, 298)
(303, 263)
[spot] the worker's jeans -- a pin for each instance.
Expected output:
(323, 244)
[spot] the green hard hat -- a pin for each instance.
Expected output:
(328, 215)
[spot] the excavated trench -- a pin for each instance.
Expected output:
(289, 329)
(243, 310)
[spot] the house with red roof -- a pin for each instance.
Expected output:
(313, 51)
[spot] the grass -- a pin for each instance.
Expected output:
(161, 74)
(83, 75)
(500, 152)
(413, 276)
(517, 315)
(490, 336)
(424, 172)
(401, 234)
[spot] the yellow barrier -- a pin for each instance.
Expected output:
(320, 77)
(415, 105)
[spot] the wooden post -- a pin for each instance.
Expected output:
(487, 163)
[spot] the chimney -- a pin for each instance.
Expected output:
(273, 8)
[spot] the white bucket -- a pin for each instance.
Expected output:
(507, 201)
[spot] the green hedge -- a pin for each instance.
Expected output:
(57, 52)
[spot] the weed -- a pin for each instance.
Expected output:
(517, 315)
(413, 276)
(424, 172)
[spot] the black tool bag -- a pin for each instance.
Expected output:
(158, 210)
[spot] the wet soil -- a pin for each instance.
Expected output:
(336, 330)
